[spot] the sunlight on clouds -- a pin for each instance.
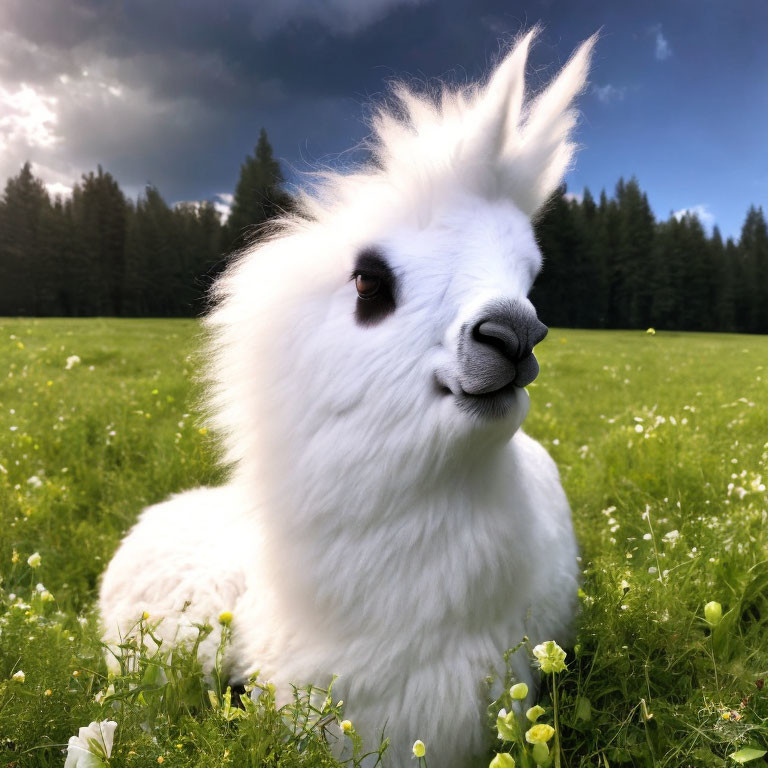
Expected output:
(57, 189)
(30, 117)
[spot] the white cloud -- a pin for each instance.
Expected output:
(57, 189)
(663, 51)
(608, 93)
(577, 197)
(28, 117)
(700, 211)
(224, 204)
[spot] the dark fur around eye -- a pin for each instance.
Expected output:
(372, 265)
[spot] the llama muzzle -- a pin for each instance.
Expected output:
(496, 349)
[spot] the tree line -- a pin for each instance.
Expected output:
(608, 263)
(98, 253)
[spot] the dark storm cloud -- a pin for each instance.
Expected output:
(142, 86)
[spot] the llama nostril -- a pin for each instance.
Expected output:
(499, 336)
(497, 350)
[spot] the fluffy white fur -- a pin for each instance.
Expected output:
(372, 529)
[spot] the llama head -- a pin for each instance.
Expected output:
(387, 330)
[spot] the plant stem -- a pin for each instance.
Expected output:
(557, 727)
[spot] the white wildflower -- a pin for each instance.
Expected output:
(671, 536)
(91, 746)
(72, 361)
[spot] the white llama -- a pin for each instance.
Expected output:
(386, 520)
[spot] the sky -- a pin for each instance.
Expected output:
(173, 93)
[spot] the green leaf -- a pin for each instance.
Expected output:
(583, 709)
(746, 754)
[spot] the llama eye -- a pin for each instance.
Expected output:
(367, 286)
(376, 287)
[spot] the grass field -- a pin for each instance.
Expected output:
(661, 441)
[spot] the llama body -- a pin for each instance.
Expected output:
(387, 521)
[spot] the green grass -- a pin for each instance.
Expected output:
(661, 441)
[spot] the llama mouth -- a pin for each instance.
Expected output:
(489, 405)
(485, 405)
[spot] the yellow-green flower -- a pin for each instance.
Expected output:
(518, 691)
(34, 560)
(651, 331)
(503, 760)
(506, 724)
(419, 750)
(713, 613)
(551, 657)
(539, 734)
(15, 557)
(225, 618)
(346, 726)
(534, 713)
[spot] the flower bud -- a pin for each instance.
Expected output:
(540, 753)
(503, 760)
(518, 691)
(713, 613)
(419, 750)
(225, 618)
(346, 726)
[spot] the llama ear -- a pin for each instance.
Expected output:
(496, 108)
(535, 158)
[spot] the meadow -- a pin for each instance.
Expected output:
(661, 442)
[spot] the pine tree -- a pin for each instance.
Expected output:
(258, 195)
(753, 250)
(662, 274)
(557, 235)
(636, 229)
(99, 212)
(25, 262)
(694, 301)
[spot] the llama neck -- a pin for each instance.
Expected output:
(340, 541)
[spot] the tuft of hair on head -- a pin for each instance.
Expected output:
(486, 137)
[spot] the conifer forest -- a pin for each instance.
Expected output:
(608, 262)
